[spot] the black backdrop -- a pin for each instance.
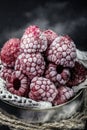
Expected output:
(63, 16)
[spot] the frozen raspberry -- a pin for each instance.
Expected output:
(30, 64)
(62, 51)
(42, 89)
(78, 75)
(33, 40)
(17, 83)
(57, 74)
(64, 94)
(50, 35)
(5, 72)
(10, 52)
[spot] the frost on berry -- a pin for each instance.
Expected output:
(62, 51)
(10, 52)
(33, 40)
(51, 72)
(78, 74)
(50, 35)
(57, 74)
(63, 76)
(64, 94)
(17, 83)
(42, 89)
(5, 72)
(30, 64)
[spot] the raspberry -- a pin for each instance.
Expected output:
(5, 72)
(17, 83)
(42, 89)
(78, 75)
(10, 52)
(64, 94)
(33, 40)
(30, 64)
(50, 35)
(57, 74)
(62, 51)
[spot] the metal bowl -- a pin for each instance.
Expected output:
(51, 114)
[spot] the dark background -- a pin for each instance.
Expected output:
(63, 16)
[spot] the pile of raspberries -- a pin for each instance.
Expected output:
(42, 65)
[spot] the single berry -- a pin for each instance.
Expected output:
(5, 72)
(50, 35)
(33, 40)
(78, 75)
(10, 52)
(17, 83)
(42, 89)
(57, 74)
(30, 64)
(62, 51)
(64, 94)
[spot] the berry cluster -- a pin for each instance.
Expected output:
(41, 65)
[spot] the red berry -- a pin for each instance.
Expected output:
(50, 35)
(10, 52)
(78, 75)
(30, 64)
(62, 51)
(42, 89)
(64, 94)
(33, 40)
(17, 83)
(57, 74)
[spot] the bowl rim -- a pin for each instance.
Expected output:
(44, 109)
